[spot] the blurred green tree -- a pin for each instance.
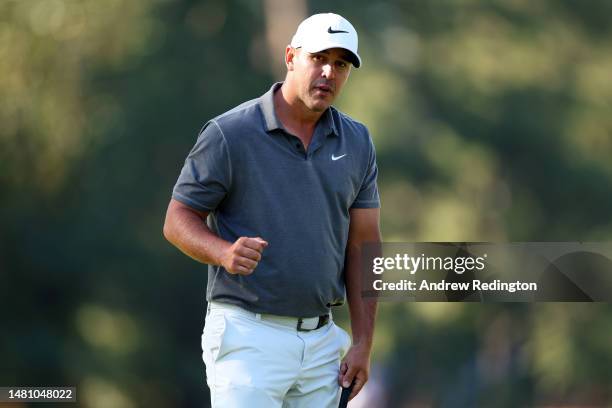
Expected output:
(491, 120)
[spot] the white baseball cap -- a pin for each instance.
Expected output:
(324, 31)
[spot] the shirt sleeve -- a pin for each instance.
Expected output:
(368, 193)
(206, 175)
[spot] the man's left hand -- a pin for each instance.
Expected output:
(355, 367)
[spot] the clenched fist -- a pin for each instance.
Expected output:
(244, 255)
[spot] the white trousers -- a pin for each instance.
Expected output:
(262, 361)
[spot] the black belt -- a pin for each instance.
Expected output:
(323, 320)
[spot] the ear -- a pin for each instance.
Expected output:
(290, 54)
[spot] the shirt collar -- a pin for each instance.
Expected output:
(266, 102)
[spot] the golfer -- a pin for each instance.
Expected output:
(277, 197)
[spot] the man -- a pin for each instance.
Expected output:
(288, 186)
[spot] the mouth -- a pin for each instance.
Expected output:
(323, 89)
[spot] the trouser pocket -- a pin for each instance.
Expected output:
(344, 339)
(212, 337)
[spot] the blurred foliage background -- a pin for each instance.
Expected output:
(492, 121)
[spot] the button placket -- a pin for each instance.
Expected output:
(299, 146)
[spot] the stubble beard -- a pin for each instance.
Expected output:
(315, 104)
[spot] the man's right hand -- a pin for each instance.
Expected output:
(243, 255)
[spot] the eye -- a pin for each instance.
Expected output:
(317, 57)
(342, 64)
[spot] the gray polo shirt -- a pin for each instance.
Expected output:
(256, 179)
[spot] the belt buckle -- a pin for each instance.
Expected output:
(299, 325)
(323, 320)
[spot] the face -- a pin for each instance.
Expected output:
(318, 77)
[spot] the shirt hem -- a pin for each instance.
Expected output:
(189, 202)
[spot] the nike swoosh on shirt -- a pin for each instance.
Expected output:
(334, 158)
(329, 30)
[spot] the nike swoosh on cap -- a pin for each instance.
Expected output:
(329, 30)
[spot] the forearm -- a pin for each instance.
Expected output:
(188, 232)
(362, 310)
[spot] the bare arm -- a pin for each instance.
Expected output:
(364, 227)
(186, 228)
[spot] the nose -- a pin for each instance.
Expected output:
(328, 71)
